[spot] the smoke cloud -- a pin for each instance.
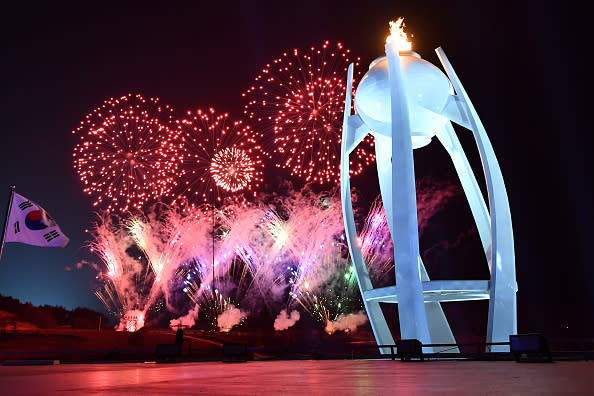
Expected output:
(283, 321)
(187, 320)
(432, 197)
(280, 252)
(346, 323)
(231, 317)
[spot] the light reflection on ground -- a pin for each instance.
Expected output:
(305, 377)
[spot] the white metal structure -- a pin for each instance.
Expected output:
(404, 101)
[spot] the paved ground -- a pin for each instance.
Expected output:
(305, 377)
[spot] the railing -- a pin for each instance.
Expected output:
(569, 349)
(446, 353)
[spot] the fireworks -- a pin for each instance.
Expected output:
(125, 283)
(266, 257)
(125, 156)
(279, 253)
(299, 99)
(375, 242)
(217, 155)
(232, 169)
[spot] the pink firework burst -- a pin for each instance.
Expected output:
(218, 156)
(125, 155)
(299, 99)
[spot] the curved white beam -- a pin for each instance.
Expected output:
(502, 305)
(380, 328)
(451, 143)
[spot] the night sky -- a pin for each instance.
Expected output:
(526, 68)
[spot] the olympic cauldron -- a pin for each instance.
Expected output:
(404, 102)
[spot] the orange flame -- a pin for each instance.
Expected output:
(398, 36)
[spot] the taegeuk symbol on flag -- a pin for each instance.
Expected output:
(29, 223)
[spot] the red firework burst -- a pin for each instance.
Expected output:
(125, 155)
(299, 99)
(217, 155)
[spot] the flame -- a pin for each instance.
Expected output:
(398, 36)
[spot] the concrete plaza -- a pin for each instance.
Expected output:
(305, 377)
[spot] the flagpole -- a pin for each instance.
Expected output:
(10, 197)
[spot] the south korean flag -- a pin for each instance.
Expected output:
(29, 223)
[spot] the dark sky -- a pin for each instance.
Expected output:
(526, 66)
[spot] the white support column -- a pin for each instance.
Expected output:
(411, 308)
(438, 326)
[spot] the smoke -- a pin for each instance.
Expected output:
(124, 281)
(78, 265)
(433, 196)
(376, 245)
(230, 317)
(375, 240)
(449, 245)
(91, 264)
(346, 323)
(284, 321)
(281, 251)
(187, 320)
